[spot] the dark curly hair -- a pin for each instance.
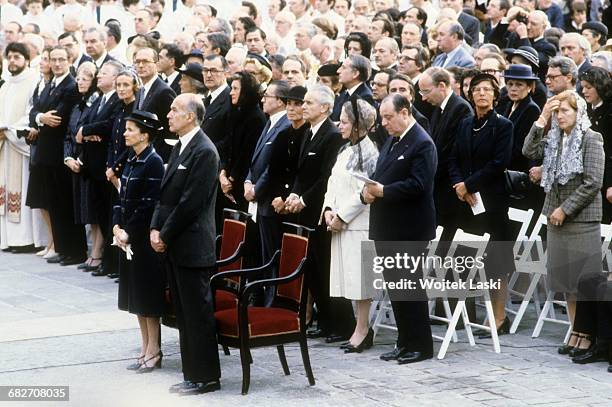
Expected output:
(601, 80)
(362, 39)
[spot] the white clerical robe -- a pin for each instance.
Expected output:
(19, 225)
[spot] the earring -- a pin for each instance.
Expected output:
(141, 139)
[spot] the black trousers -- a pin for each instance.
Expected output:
(335, 315)
(192, 297)
(271, 236)
(68, 237)
(594, 306)
(410, 306)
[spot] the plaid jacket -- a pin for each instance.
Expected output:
(580, 198)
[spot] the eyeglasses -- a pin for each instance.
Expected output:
(143, 62)
(57, 60)
(270, 96)
(553, 77)
(425, 92)
(379, 84)
(211, 71)
(406, 58)
(484, 89)
(491, 71)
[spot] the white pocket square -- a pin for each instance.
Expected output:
(311, 153)
(182, 167)
(401, 157)
(268, 143)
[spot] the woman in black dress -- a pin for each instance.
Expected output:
(73, 149)
(141, 281)
(247, 121)
(482, 151)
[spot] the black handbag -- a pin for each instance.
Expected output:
(517, 184)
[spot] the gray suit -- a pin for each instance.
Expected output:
(580, 198)
(461, 58)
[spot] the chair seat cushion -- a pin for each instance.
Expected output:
(263, 321)
(224, 300)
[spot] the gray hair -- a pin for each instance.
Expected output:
(582, 42)
(324, 96)
(390, 43)
(115, 64)
(195, 105)
(456, 28)
(566, 65)
(491, 48)
(311, 29)
(362, 65)
(102, 35)
(605, 57)
(367, 116)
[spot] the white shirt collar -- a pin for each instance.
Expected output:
(276, 117)
(415, 80)
(170, 78)
(59, 80)
(407, 130)
(147, 86)
(315, 128)
(185, 139)
(598, 105)
(445, 101)
(100, 60)
(217, 92)
(353, 89)
(108, 95)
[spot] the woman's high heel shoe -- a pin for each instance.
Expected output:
(144, 368)
(136, 366)
(566, 348)
(577, 351)
(367, 343)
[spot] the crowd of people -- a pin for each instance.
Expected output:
(126, 128)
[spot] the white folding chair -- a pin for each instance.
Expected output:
(606, 255)
(476, 274)
(531, 262)
(381, 314)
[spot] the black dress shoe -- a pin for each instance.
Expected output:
(99, 272)
(345, 345)
(71, 261)
(367, 343)
(577, 351)
(56, 259)
(315, 333)
(412, 357)
(23, 249)
(503, 329)
(199, 388)
(176, 387)
(336, 338)
(594, 354)
(7, 249)
(113, 275)
(394, 354)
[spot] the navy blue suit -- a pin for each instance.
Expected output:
(406, 212)
(363, 91)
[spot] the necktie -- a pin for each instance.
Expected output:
(101, 105)
(443, 60)
(207, 100)
(52, 86)
(98, 14)
(165, 79)
(306, 142)
(141, 99)
(393, 143)
(174, 4)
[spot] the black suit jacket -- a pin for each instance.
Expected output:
(316, 160)
(480, 160)
(497, 35)
(545, 51)
(425, 108)
(185, 214)
(175, 85)
(406, 212)
(216, 118)
(51, 139)
(95, 153)
(522, 119)
(158, 101)
(471, 25)
(363, 91)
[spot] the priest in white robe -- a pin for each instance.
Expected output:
(20, 226)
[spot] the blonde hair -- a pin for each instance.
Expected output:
(87, 68)
(568, 96)
(262, 73)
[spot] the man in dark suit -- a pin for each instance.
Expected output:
(576, 47)
(95, 46)
(50, 116)
(155, 96)
(450, 109)
(257, 184)
(317, 157)
(183, 227)
(402, 209)
(218, 103)
(170, 60)
(96, 140)
(497, 26)
(535, 32)
(353, 73)
(470, 24)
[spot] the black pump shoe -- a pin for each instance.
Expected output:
(503, 329)
(367, 343)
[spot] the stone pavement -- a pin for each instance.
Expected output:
(59, 326)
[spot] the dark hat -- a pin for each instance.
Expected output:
(527, 52)
(597, 27)
(518, 71)
(147, 120)
(263, 60)
(328, 70)
(296, 93)
(481, 77)
(196, 53)
(193, 70)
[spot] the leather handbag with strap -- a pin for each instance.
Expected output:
(517, 184)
